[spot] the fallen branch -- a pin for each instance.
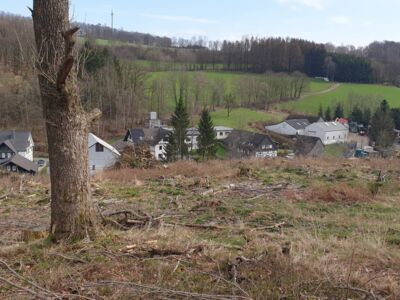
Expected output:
(73, 259)
(132, 219)
(25, 289)
(15, 274)
(368, 294)
(169, 293)
(44, 294)
(275, 226)
(200, 226)
(151, 252)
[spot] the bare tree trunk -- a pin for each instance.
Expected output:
(72, 213)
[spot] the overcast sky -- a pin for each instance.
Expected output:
(356, 22)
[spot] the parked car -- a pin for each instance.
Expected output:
(361, 130)
(360, 153)
(353, 127)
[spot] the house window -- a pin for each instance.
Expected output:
(160, 148)
(99, 147)
(14, 168)
(221, 133)
(93, 167)
(9, 155)
(3, 155)
(333, 137)
(8, 168)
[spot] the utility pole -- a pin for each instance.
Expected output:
(112, 21)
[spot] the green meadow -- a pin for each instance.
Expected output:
(362, 94)
(241, 118)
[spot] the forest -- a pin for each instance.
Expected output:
(143, 72)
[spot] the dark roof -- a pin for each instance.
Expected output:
(311, 119)
(151, 136)
(19, 139)
(248, 140)
(298, 123)
(9, 144)
(22, 163)
(304, 145)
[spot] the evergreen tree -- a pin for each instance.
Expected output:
(339, 111)
(395, 112)
(328, 116)
(357, 115)
(177, 147)
(366, 117)
(320, 112)
(207, 140)
(384, 107)
(382, 126)
(171, 150)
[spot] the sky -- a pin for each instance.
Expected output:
(341, 22)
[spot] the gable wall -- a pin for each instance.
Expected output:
(101, 160)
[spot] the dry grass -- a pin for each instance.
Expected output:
(337, 240)
(342, 193)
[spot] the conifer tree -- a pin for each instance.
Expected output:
(357, 115)
(382, 126)
(320, 112)
(177, 148)
(339, 111)
(207, 140)
(328, 116)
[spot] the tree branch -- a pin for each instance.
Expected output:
(31, 10)
(68, 63)
(64, 71)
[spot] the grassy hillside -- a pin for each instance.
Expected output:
(241, 118)
(376, 93)
(258, 229)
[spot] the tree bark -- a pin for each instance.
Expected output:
(67, 124)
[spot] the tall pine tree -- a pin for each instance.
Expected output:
(177, 147)
(339, 111)
(207, 140)
(382, 126)
(328, 116)
(321, 112)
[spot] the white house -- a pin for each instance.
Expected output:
(16, 152)
(192, 135)
(21, 143)
(328, 132)
(290, 127)
(155, 138)
(101, 154)
(222, 132)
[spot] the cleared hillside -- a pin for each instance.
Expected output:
(262, 229)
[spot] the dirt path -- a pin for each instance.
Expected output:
(332, 88)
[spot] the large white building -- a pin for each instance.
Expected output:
(101, 154)
(328, 132)
(290, 127)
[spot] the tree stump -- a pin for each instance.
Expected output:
(33, 233)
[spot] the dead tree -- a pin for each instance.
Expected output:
(72, 212)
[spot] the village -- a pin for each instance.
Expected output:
(297, 136)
